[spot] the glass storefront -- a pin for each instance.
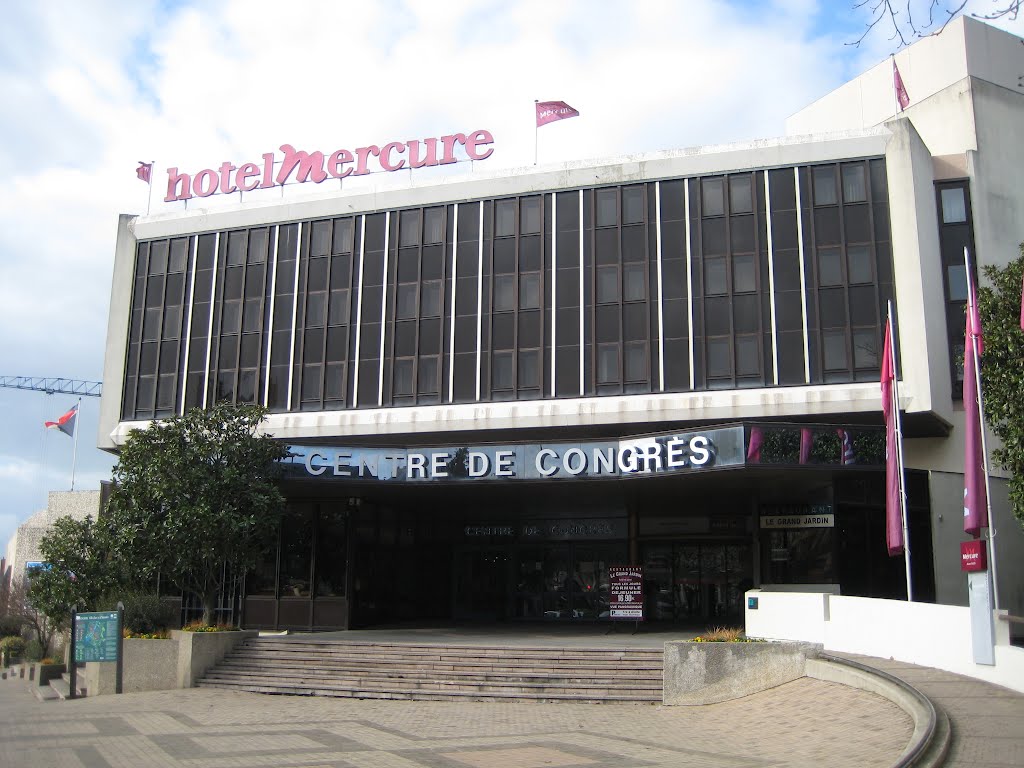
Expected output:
(696, 581)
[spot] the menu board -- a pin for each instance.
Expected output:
(626, 592)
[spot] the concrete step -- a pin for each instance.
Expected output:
(438, 672)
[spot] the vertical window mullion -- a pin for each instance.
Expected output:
(209, 329)
(803, 274)
(272, 236)
(187, 307)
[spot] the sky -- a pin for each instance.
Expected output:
(90, 89)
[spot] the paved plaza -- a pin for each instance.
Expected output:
(803, 723)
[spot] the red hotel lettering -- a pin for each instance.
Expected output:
(317, 167)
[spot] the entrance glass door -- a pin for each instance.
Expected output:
(696, 582)
(481, 584)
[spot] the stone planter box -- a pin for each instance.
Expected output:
(162, 665)
(709, 673)
(44, 673)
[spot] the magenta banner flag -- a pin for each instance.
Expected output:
(902, 97)
(549, 111)
(847, 447)
(806, 441)
(754, 447)
(893, 516)
(144, 171)
(975, 503)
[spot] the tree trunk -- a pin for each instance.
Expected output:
(209, 608)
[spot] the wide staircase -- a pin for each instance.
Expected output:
(367, 670)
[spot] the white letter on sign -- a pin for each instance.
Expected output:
(417, 465)
(503, 463)
(479, 464)
(542, 454)
(699, 453)
(309, 464)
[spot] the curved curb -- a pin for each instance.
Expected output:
(930, 741)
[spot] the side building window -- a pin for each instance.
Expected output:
(956, 232)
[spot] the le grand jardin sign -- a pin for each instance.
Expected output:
(650, 455)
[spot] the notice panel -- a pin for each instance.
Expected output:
(626, 592)
(96, 636)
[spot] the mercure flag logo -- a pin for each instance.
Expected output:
(549, 111)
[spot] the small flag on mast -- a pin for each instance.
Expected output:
(550, 111)
(902, 97)
(975, 498)
(848, 456)
(65, 423)
(144, 171)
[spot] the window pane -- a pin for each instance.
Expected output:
(713, 197)
(865, 349)
(427, 375)
(607, 363)
(858, 259)
(529, 291)
(633, 282)
(740, 198)
(719, 358)
(405, 303)
(501, 370)
(835, 350)
(747, 363)
(957, 282)
(331, 547)
(296, 552)
(430, 299)
(607, 284)
(504, 293)
(825, 185)
(504, 218)
(954, 207)
(632, 205)
(402, 381)
(636, 362)
(433, 225)
(529, 215)
(316, 305)
(529, 369)
(337, 313)
(715, 282)
(744, 275)
(830, 268)
(854, 186)
(607, 207)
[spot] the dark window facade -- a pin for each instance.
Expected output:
(956, 232)
(750, 279)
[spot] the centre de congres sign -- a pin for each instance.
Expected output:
(648, 455)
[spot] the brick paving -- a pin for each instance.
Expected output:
(987, 720)
(803, 723)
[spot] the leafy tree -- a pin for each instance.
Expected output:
(195, 498)
(1001, 370)
(78, 573)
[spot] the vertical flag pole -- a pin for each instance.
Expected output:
(971, 298)
(535, 130)
(74, 450)
(149, 194)
(899, 450)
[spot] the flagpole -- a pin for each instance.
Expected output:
(74, 450)
(535, 130)
(149, 194)
(899, 450)
(971, 297)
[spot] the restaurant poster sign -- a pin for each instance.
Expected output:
(626, 592)
(641, 456)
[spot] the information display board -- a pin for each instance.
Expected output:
(96, 636)
(626, 592)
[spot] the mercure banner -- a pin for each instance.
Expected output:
(642, 456)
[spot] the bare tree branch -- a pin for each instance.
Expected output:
(882, 14)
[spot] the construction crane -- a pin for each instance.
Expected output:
(53, 386)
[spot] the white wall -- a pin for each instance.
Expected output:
(927, 634)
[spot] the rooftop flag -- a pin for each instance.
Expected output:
(144, 171)
(902, 97)
(65, 423)
(550, 111)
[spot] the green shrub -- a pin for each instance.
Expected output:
(144, 613)
(34, 650)
(12, 647)
(11, 626)
(198, 626)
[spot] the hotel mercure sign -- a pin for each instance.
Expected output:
(319, 166)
